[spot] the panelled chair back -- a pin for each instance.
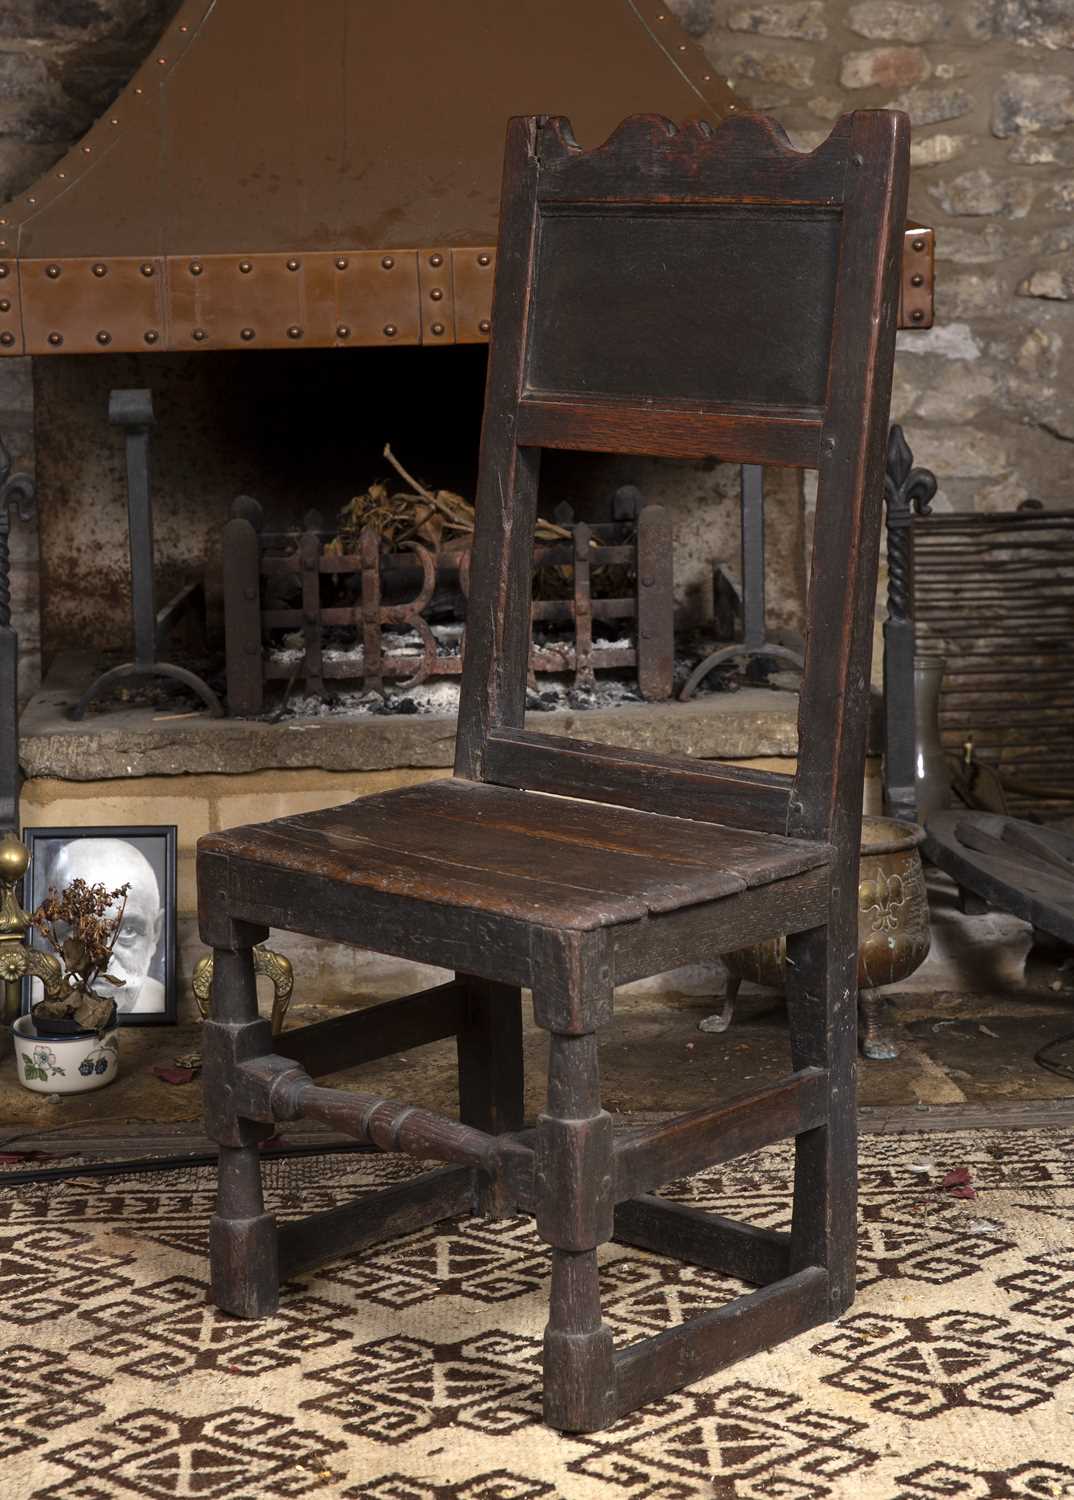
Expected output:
(693, 293)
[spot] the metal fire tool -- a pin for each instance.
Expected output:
(753, 642)
(133, 411)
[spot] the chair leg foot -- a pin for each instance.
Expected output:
(579, 1369)
(822, 1010)
(243, 1248)
(575, 1214)
(243, 1239)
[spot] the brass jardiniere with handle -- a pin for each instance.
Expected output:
(893, 928)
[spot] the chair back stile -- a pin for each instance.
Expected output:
(703, 293)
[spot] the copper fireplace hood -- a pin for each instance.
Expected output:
(312, 173)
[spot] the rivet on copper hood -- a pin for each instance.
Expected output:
(104, 337)
(52, 272)
(246, 334)
(341, 263)
(100, 270)
(388, 262)
(294, 265)
(390, 330)
(147, 269)
(245, 266)
(484, 260)
(294, 332)
(55, 339)
(7, 339)
(199, 335)
(343, 332)
(151, 335)
(196, 268)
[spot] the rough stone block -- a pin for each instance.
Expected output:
(801, 20)
(1055, 283)
(980, 192)
(1042, 150)
(966, 452)
(929, 106)
(884, 68)
(895, 20)
(948, 340)
(789, 69)
(966, 294)
(695, 15)
(932, 150)
(983, 243)
(1027, 102)
(1030, 23)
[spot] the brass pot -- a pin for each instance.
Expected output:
(893, 923)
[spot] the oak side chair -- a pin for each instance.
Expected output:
(688, 292)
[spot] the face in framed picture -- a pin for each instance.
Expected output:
(144, 956)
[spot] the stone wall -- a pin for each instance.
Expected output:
(987, 395)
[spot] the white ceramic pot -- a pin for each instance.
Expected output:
(64, 1064)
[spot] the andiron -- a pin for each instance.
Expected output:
(133, 411)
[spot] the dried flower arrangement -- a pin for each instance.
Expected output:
(80, 925)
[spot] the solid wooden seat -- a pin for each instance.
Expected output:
(648, 300)
(553, 861)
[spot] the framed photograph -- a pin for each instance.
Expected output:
(145, 953)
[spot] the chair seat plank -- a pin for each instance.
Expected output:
(552, 860)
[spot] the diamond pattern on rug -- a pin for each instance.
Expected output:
(919, 1367)
(44, 1386)
(170, 1328)
(499, 1486)
(1046, 1288)
(1030, 1481)
(473, 1258)
(744, 1434)
(31, 1292)
(921, 1243)
(237, 1454)
(395, 1388)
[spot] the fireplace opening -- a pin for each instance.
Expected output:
(301, 434)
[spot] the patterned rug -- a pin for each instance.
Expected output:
(411, 1372)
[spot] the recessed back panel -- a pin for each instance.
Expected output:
(721, 305)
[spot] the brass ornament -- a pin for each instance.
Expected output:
(272, 965)
(17, 960)
(893, 926)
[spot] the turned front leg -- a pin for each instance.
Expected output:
(575, 1214)
(242, 1236)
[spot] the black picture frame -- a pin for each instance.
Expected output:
(158, 844)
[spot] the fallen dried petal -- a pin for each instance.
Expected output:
(957, 1177)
